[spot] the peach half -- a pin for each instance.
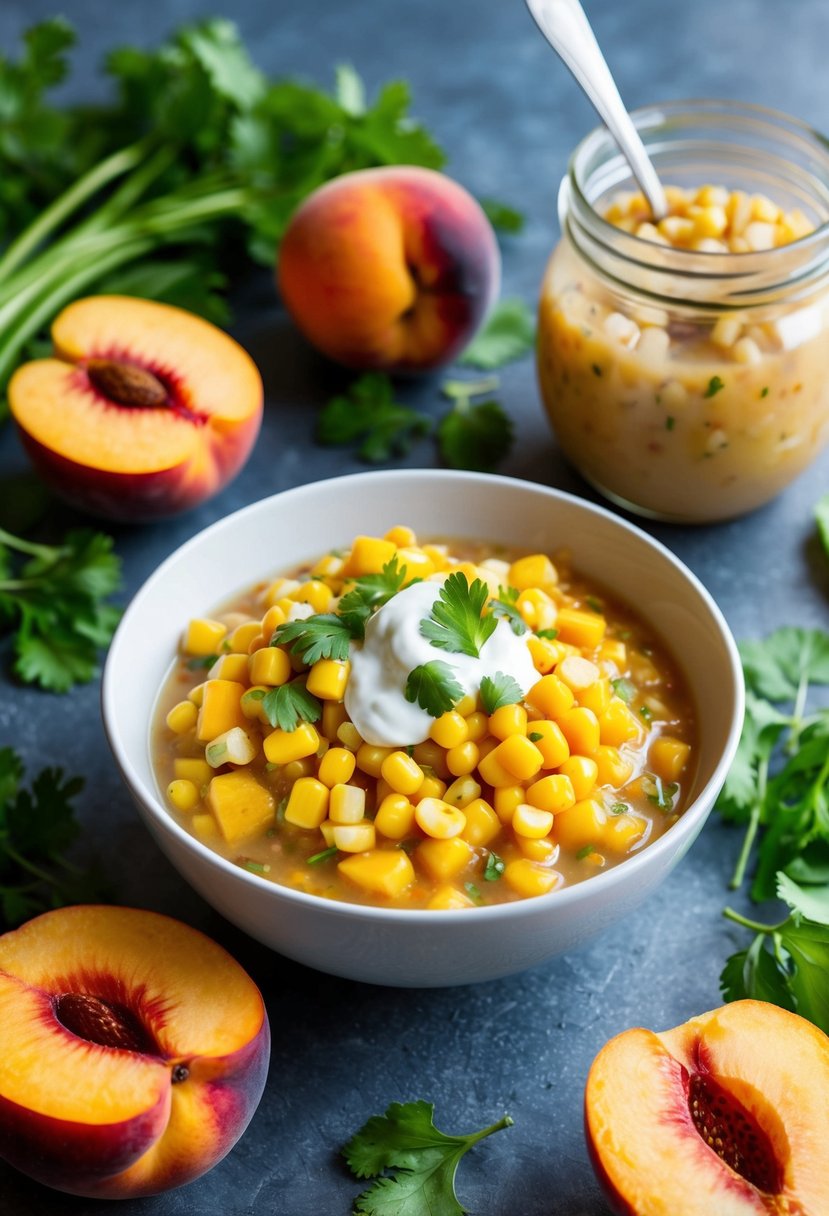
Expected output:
(391, 268)
(727, 1115)
(146, 410)
(134, 1051)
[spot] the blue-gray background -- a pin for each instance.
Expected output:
(508, 114)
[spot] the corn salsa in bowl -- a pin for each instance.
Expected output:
(425, 726)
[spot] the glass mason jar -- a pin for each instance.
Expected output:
(690, 386)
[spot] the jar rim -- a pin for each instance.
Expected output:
(760, 137)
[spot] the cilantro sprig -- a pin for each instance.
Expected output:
(325, 635)
(53, 602)
(499, 690)
(413, 1164)
(474, 436)
(433, 687)
(457, 621)
(503, 605)
(370, 591)
(289, 704)
(368, 414)
(778, 784)
(788, 962)
(37, 826)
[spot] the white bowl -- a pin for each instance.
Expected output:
(392, 946)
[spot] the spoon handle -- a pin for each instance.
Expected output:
(565, 26)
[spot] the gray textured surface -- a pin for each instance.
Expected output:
(508, 115)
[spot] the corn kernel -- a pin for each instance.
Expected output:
(242, 807)
(536, 570)
(583, 629)
(197, 771)
(270, 665)
(349, 736)
(432, 787)
(183, 794)
(462, 791)
(369, 554)
(230, 667)
(336, 767)
(668, 757)
(551, 696)
(333, 716)
(447, 898)
(519, 756)
(204, 826)
(235, 746)
(416, 563)
(613, 650)
(243, 635)
(387, 872)
(283, 746)
(271, 621)
(531, 878)
(431, 755)
(544, 653)
(622, 831)
(482, 823)
(402, 772)
(617, 725)
(476, 726)
(203, 636)
(438, 819)
(581, 825)
(443, 859)
(354, 837)
(550, 741)
(437, 556)
(251, 704)
(531, 821)
(314, 592)
(449, 729)
(370, 758)
(463, 759)
(597, 697)
(612, 768)
(395, 817)
(402, 536)
(182, 717)
(328, 678)
(508, 720)
(583, 772)
(307, 803)
(294, 769)
(553, 794)
(196, 695)
(505, 799)
(347, 804)
(493, 772)
(538, 848)
(580, 728)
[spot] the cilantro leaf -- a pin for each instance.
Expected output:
(508, 334)
(289, 704)
(423, 1162)
(715, 385)
(499, 690)
(370, 591)
(778, 666)
(495, 867)
(503, 605)
(502, 217)
(37, 826)
(477, 438)
(433, 687)
(322, 636)
(822, 517)
(54, 603)
(457, 622)
(368, 415)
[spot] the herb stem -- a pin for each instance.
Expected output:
(756, 926)
(506, 1121)
(25, 864)
(797, 723)
(739, 874)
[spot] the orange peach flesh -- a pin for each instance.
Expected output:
(104, 1121)
(760, 1080)
(213, 387)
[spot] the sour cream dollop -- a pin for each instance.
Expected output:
(375, 696)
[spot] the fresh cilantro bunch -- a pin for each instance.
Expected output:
(37, 826)
(787, 963)
(53, 601)
(413, 1164)
(197, 158)
(779, 781)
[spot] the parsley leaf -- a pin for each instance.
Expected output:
(502, 217)
(368, 414)
(54, 604)
(422, 1162)
(37, 826)
(787, 963)
(433, 687)
(499, 690)
(322, 636)
(508, 334)
(288, 704)
(370, 591)
(457, 622)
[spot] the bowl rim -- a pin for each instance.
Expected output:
(668, 845)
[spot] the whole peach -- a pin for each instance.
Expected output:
(392, 268)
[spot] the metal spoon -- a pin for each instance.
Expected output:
(565, 26)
